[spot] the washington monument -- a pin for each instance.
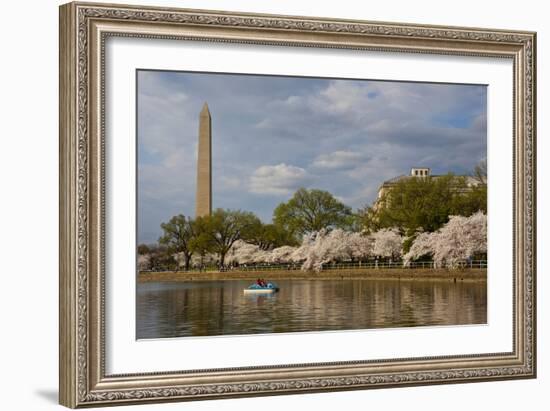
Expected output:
(203, 201)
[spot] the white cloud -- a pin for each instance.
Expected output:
(278, 179)
(407, 113)
(344, 97)
(341, 159)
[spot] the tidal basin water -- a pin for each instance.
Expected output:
(179, 309)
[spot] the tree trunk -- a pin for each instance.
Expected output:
(187, 261)
(222, 260)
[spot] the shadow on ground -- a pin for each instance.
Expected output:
(50, 395)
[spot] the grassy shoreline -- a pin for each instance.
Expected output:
(468, 274)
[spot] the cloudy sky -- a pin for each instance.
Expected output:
(272, 135)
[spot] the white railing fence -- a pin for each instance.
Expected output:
(346, 265)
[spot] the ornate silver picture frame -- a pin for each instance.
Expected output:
(84, 30)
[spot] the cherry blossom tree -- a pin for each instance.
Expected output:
(423, 245)
(319, 252)
(362, 246)
(336, 245)
(281, 255)
(181, 260)
(456, 242)
(199, 261)
(242, 252)
(387, 243)
(144, 262)
(300, 254)
(460, 239)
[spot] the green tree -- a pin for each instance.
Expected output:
(424, 204)
(203, 241)
(367, 220)
(223, 227)
(312, 210)
(480, 172)
(269, 236)
(471, 201)
(419, 203)
(476, 198)
(160, 258)
(143, 249)
(177, 234)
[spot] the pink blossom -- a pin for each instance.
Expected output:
(456, 242)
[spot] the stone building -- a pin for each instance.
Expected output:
(421, 172)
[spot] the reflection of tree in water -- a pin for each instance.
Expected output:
(214, 308)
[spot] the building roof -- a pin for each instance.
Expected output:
(470, 181)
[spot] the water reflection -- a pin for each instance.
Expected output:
(221, 307)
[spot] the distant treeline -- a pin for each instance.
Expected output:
(410, 210)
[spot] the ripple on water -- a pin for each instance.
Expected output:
(221, 308)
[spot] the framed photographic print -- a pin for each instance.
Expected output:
(259, 204)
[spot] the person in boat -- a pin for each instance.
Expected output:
(259, 281)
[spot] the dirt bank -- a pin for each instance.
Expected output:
(470, 274)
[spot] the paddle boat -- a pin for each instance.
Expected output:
(268, 288)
